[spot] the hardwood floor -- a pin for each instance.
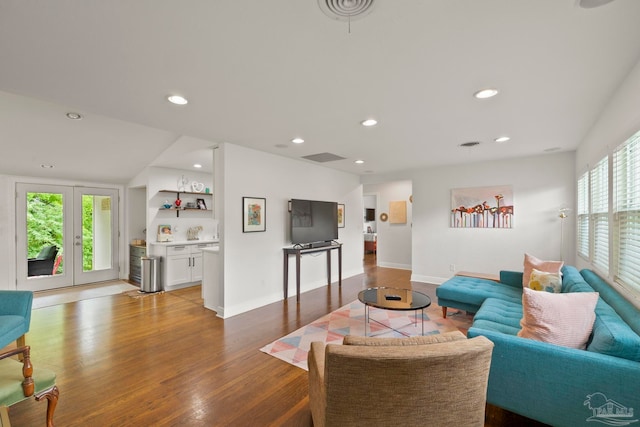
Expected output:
(165, 360)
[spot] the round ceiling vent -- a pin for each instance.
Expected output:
(346, 10)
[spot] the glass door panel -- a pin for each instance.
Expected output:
(41, 216)
(95, 237)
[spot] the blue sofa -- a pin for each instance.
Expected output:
(15, 316)
(556, 385)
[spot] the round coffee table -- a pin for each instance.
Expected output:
(393, 299)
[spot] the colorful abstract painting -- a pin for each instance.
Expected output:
(253, 214)
(482, 207)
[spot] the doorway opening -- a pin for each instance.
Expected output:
(66, 236)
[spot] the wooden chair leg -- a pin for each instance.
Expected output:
(52, 395)
(21, 342)
(444, 312)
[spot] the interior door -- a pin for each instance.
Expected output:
(80, 223)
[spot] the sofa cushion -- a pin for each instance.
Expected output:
(625, 309)
(499, 315)
(572, 281)
(531, 262)
(562, 319)
(474, 291)
(544, 281)
(612, 336)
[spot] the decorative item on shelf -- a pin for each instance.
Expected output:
(166, 205)
(190, 205)
(178, 202)
(164, 233)
(197, 187)
(201, 204)
(192, 232)
(182, 183)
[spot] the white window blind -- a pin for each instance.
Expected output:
(626, 191)
(583, 216)
(599, 193)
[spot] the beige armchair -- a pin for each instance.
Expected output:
(436, 380)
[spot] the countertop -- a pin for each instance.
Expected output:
(185, 242)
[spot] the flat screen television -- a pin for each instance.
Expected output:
(313, 222)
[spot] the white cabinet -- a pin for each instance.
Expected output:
(182, 262)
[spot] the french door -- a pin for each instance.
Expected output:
(66, 236)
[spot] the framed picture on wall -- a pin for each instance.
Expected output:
(254, 214)
(340, 215)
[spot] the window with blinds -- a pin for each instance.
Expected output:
(583, 216)
(599, 196)
(626, 192)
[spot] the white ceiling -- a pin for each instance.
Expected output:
(259, 73)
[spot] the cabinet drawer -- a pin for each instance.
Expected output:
(177, 250)
(197, 248)
(137, 251)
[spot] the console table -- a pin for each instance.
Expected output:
(298, 252)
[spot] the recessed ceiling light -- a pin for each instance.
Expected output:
(297, 140)
(74, 116)
(46, 166)
(469, 144)
(502, 139)
(177, 99)
(197, 165)
(359, 162)
(369, 122)
(486, 93)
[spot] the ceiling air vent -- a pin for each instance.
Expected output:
(469, 144)
(590, 4)
(346, 10)
(323, 157)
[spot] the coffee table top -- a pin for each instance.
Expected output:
(394, 298)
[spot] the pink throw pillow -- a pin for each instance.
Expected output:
(531, 262)
(562, 319)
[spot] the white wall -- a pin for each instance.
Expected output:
(253, 262)
(394, 240)
(541, 186)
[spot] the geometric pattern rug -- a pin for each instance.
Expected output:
(350, 320)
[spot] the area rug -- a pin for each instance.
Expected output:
(349, 320)
(42, 299)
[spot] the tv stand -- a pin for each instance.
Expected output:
(298, 251)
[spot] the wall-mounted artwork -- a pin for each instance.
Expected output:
(340, 215)
(398, 212)
(482, 207)
(254, 214)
